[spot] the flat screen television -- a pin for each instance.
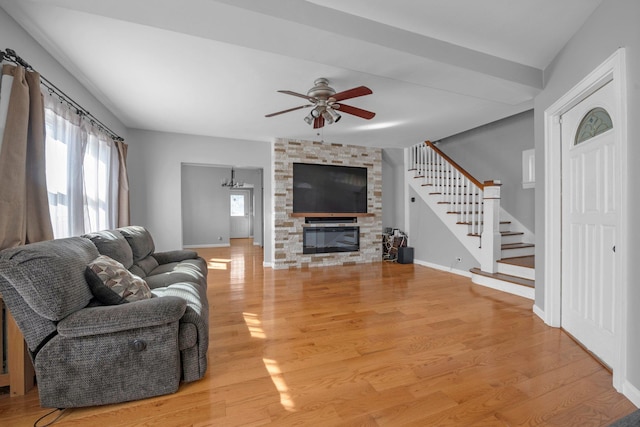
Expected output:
(320, 188)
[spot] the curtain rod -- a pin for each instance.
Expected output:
(11, 56)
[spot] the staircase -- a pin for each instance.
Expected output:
(471, 211)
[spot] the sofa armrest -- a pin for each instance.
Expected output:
(117, 318)
(174, 256)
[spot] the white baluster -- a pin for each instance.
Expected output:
(472, 204)
(412, 157)
(427, 168)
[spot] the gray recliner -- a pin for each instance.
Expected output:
(88, 354)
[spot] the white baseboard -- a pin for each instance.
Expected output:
(443, 268)
(539, 312)
(267, 264)
(217, 245)
(631, 393)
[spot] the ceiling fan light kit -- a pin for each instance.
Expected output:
(325, 102)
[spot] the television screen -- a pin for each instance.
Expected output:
(319, 188)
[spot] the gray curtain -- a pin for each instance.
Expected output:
(24, 208)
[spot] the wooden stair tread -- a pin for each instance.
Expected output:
(517, 245)
(469, 223)
(460, 204)
(505, 277)
(528, 261)
(502, 233)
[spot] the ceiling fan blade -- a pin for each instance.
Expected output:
(300, 95)
(355, 111)
(290, 109)
(318, 122)
(352, 93)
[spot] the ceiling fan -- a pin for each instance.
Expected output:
(326, 103)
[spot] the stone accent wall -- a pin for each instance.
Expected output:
(288, 229)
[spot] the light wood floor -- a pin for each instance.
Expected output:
(372, 345)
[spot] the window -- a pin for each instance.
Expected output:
(237, 205)
(594, 123)
(82, 172)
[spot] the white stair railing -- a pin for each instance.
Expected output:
(464, 194)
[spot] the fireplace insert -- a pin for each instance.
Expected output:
(318, 240)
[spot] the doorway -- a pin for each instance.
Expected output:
(241, 213)
(582, 272)
(590, 217)
(205, 203)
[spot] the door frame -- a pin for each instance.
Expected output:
(248, 189)
(614, 70)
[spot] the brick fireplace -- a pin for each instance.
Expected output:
(288, 234)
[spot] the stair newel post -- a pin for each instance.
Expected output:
(491, 238)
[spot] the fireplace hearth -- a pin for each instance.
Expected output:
(319, 240)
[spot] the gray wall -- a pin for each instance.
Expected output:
(155, 164)
(494, 151)
(432, 241)
(12, 36)
(205, 206)
(612, 25)
(392, 188)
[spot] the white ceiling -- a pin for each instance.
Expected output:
(209, 67)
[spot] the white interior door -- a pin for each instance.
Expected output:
(241, 213)
(590, 223)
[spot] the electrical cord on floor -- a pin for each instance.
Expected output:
(62, 410)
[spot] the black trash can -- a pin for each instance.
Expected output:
(405, 255)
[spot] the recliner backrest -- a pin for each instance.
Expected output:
(142, 246)
(44, 282)
(112, 244)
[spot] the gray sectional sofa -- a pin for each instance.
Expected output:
(86, 352)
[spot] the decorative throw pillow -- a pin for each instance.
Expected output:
(121, 284)
(101, 293)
